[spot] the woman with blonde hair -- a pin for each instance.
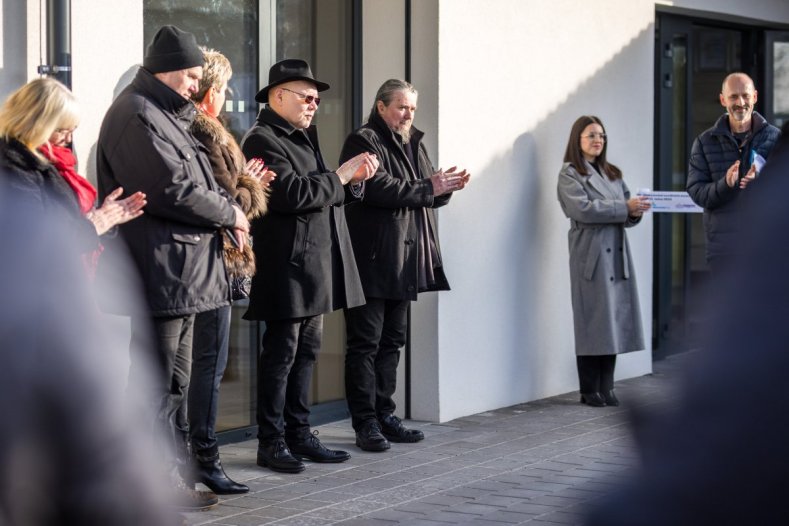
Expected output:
(36, 122)
(246, 182)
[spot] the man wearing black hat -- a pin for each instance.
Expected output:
(144, 145)
(305, 261)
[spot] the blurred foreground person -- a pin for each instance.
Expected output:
(720, 458)
(70, 450)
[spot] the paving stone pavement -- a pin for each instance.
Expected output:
(538, 463)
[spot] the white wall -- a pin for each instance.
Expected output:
(512, 76)
(508, 97)
(106, 41)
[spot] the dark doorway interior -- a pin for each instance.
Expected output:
(692, 58)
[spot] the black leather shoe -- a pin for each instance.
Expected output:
(275, 455)
(188, 499)
(593, 399)
(310, 448)
(394, 430)
(610, 398)
(212, 474)
(369, 437)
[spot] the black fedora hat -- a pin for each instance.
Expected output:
(287, 70)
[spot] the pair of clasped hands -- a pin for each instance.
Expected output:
(364, 166)
(636, 206)
(256, 169)
(733, 173)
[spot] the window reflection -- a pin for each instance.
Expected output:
(230, 27)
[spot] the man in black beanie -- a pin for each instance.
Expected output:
(144, 145)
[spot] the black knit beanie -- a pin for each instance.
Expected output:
(172, 50)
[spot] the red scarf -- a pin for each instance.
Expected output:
(63, 159)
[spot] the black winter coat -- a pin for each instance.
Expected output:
(39, 184)
(305, 263)
(713, 153)
(144, 145)
(383, 225)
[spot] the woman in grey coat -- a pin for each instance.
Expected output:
(606, 313)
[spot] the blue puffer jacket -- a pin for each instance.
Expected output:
(713, 153)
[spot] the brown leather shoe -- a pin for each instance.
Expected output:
(188, 499)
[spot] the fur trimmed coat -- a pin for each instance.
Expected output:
(228, 162)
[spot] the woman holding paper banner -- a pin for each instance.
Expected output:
(606, 312)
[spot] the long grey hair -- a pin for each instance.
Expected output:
(387, 91)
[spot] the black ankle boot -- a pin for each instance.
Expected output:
(593, 399)
(212, 474)
(610, 398)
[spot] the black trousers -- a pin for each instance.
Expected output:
(159, 371)
(290, 348)
(596, 373)
(375, 332)
(209, 359)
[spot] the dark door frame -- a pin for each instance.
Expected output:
(756, 57)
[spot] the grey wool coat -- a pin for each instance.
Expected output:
(606, 312)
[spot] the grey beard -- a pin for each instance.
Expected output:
(405, 135)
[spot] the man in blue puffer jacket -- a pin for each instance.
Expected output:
(724, 159)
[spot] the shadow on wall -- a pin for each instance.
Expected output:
(515, 269)
(13, 47)
(123, 81)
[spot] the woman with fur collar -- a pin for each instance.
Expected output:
(247, 183)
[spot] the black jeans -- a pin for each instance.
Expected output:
(209, 359)
(596, 373)
(290, 348)
(159, 371)
(375, 332)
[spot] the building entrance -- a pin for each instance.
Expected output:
(693, 56)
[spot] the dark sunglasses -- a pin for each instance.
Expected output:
(309, 99)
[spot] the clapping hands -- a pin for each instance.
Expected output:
(113, 212)
(358, 169)
(257, 169)
(448, 181)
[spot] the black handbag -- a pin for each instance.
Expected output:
(240, 265)
(240, 286)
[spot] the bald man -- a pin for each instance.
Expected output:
(724, 160)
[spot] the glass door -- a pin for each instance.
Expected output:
(692, 59)
(230, 27)
(776, 92)
(320, 32)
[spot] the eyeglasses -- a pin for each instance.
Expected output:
(309, 99)
(592, 136)
(65, 131)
